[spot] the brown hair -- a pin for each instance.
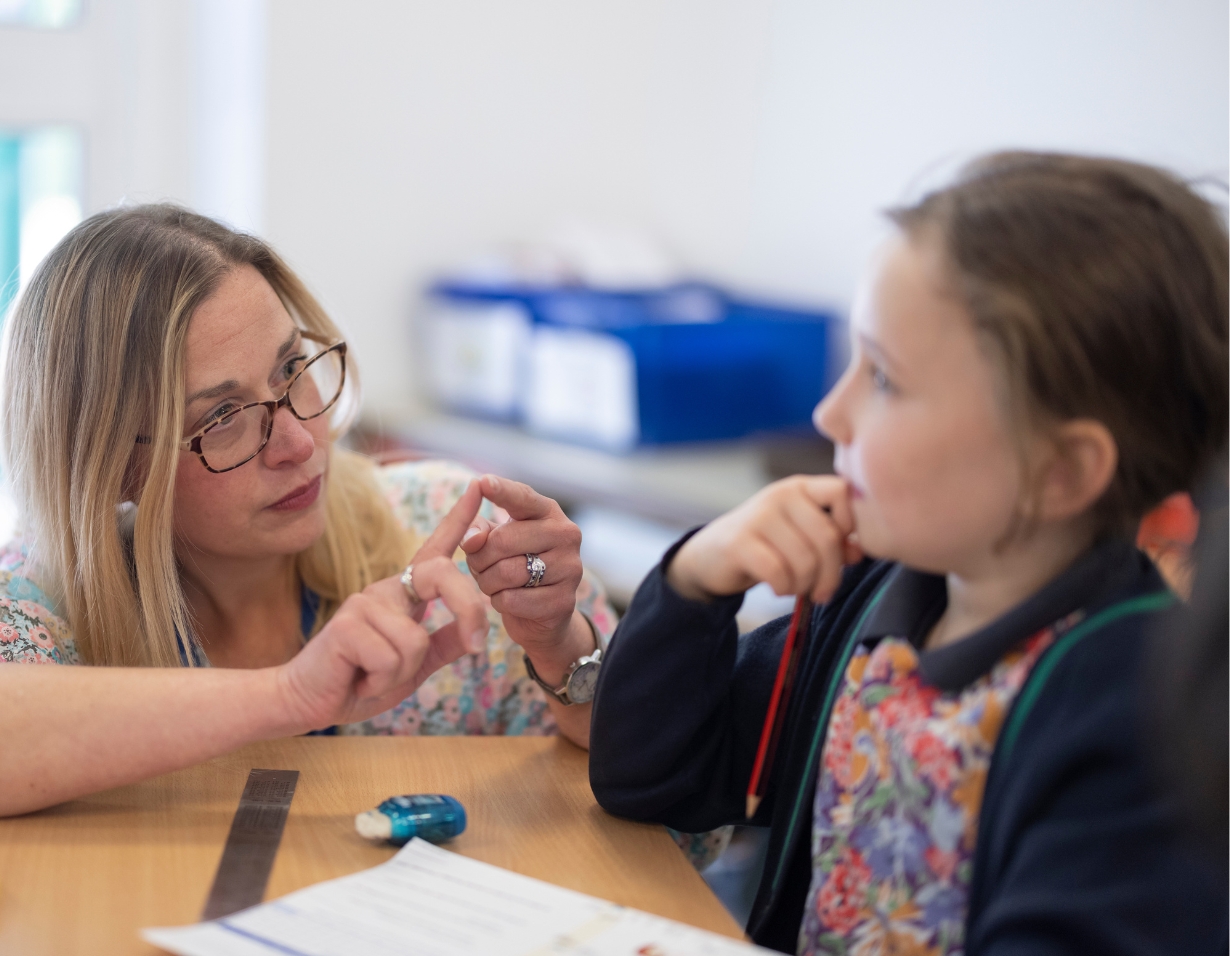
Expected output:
(1099, 286)
(95, 358)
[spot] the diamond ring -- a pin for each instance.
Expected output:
(407, 582)
(536, 567)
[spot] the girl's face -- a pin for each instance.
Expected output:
(241, 342)
(920, 432)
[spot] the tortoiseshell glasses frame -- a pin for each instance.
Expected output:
(193, 443)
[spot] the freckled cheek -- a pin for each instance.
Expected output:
(205, 502)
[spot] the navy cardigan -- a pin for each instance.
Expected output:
(1076, 852)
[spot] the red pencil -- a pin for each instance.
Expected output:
(778, 702)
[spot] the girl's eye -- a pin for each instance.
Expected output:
(879, 380)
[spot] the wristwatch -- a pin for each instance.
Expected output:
(582, 677)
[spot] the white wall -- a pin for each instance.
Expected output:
(228, 54)
(866, 102)
(756, 139)
(123, 77)
(404, 136)
(169, 95)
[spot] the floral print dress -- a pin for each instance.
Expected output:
(898, 800)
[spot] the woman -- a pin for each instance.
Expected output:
(171, 400)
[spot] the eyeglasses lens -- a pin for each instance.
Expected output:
(238, 437)
(235, 438)
(318, 385)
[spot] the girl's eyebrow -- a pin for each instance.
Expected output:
(875, 350)
(216, 391)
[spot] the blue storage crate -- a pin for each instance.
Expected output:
(685, 363)
(474, 343)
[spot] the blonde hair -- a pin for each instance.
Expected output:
(95, 358)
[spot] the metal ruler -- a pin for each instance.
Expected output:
(252, 843)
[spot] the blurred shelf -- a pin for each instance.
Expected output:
(681, 485)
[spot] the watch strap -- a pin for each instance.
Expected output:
(561, 693)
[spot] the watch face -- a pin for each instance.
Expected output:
(582, 682)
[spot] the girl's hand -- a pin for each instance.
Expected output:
(538, 618)
(795, 535)
(374, 653)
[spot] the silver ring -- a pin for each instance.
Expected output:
(536, 567)
(407, 582)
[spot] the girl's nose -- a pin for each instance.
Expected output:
(830, 417)
(290, 441)
(816, 414)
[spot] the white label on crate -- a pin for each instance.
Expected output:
(582, 386)
(475, 356)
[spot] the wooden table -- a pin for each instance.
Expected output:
(85, 876)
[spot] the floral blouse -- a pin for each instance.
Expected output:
(898, 798)
(488, 693)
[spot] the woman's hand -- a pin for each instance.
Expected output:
(542, 619)
(537, 618)
(374, 653)
(796, 535)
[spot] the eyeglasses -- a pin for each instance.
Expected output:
(240, 434)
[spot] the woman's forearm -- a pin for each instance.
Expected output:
(572, 719)
(70, 731)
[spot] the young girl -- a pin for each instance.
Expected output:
(1040, 357)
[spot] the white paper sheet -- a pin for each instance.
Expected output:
(431, 902)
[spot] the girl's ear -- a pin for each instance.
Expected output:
(1085, 458)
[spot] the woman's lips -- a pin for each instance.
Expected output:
(300, 498)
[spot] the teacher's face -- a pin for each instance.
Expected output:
(241, 344)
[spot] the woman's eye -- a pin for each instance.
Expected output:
(219, 414)
(290, 368)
